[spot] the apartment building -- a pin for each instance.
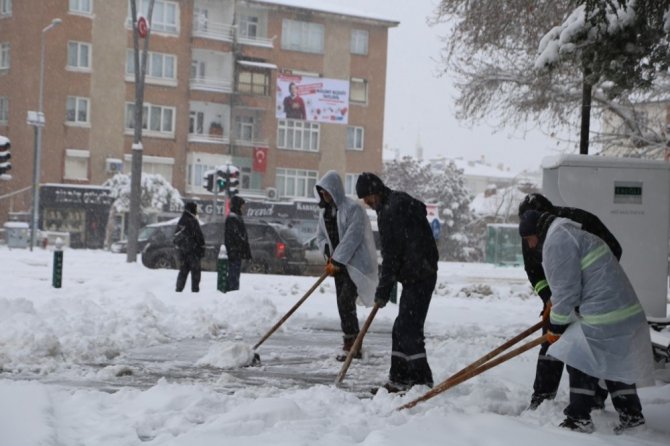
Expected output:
(218, 74)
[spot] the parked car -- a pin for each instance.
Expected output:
(275, 248)
(316, 262)
(145, 234)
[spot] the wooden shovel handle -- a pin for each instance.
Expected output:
(458, 379)
(357, 345)
(292, 310)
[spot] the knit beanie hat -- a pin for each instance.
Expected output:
(537, 202)
(368, 184)
(528, 223)
(236, 203)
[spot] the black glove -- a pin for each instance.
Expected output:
(381, 303)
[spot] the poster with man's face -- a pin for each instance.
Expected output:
(312, 99)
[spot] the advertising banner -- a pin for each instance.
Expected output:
(312, 99)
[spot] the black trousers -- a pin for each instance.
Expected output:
(234, 270)
(547, 373)
(409, 363)
(548, 376)
(583, 388)
(188, 263)
(347, 293)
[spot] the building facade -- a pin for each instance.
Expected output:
(216, 75)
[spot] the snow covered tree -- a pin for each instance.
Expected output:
(446, 189)
(620, 45)
(492, 52)
(156, 193)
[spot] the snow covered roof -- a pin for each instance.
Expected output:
(505, 202)
(250, 63)
(553, 162)
(331, 7)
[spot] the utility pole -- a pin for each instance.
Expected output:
(140, 29)
(587, 92)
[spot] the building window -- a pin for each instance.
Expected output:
(295, 134)
(245, 177)
(196, 173)
(350, 183)
(248, 26)
(156, 165)
(76, 164)
(296, 182)
(155, 118)
(358, 90)
(253, 82)
(302, 36)
(359, 42)
(4, 56)
(81, 6)
(77, 110)
(4, 109)
(164, 18)
(79, 56)
(160, 66)
(355, 136)
(6, 7)
(245, 128)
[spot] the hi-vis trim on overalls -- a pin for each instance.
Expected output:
(588, 260)
(540, 285)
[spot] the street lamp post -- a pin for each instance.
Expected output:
(37, 120)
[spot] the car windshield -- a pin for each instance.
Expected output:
(288, 235)
(146, 232)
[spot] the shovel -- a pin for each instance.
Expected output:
(357, 345)
(472, 372)
(257, 359)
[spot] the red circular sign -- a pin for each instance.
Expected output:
(142, 27)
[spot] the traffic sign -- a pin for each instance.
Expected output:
(142, 27)
(436, 227)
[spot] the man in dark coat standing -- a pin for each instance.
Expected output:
(190, 245)
(409, 256)
(549, 369)
(236, 241)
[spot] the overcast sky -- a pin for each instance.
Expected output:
(420, 104)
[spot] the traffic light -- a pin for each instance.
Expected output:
(5, 156)
(233, 181)
(221, 180)
(209, 181)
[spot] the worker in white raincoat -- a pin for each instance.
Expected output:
(344, 236)
(596, 323)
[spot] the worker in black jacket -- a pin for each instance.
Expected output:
(549, 369)
(409, 256)
(236, 241)
(190, 246)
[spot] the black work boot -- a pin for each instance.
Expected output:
(628, 422)
(577, 425)
(346, 347)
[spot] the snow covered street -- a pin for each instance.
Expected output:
(117, 357)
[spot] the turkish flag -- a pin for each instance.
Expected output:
(260, 159)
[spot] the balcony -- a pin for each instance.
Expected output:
(243, 142)
(211, 84)
(265, 42)
(205, 138)
(206, 29)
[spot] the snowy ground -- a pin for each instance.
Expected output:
(116, 357)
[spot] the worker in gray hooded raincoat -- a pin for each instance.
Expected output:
(596, 325)
(344, 236)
